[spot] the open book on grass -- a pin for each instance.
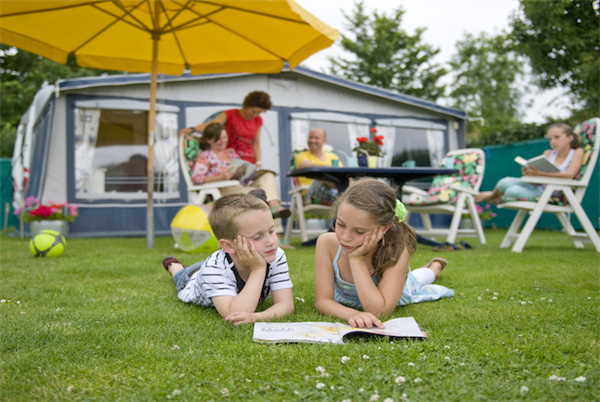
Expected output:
(246, 171)
(327, 332)
(540, 162)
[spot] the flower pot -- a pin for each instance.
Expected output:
(372, 161)
(466, 223)
(61, 226)
(362, 160)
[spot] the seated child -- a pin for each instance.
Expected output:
(566, 154)
(245, 271)
(364, 264)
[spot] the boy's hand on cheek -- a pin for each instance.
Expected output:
(247, 254)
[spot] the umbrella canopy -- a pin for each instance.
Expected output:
(217, 36)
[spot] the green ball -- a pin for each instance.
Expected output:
(48, 243)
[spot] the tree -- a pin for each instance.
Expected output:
(561, 38)
(21, 76)
(387, 57)
(487, 72)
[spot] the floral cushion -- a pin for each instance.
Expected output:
(469, 164)
(587, 132)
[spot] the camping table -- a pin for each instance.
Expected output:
(341, 176)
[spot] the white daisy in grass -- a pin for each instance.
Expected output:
(417, 380)
(400, 380)
(447, 358)
(388, 400)
(556, 378)
(175, 347)
(176, 392)
(446, 347)
(479, 298)
(345, 359)
(462, 364)
(366, 357)
(374, 397)
(496, 294)
(581, 379)
(225, 392)
(524, 390)
(411, 364)
(320, 385)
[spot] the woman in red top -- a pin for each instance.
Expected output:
(242, 125)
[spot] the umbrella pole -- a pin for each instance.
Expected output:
(151, 127)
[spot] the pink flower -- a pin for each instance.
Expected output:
(29, 201)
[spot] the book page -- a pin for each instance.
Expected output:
(312, 332)
(521, 161)
(246, 170)
(405, 327)
(543, 164)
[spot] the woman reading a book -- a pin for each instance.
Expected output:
(212, 164)
(566, 154)
(362, 270)
(243, 126)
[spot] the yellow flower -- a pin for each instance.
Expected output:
(444, 195)
(469, 158)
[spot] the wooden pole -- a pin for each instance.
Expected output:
(151, 127)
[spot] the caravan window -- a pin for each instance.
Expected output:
(342, 130)
(420, 141)
(111, 153)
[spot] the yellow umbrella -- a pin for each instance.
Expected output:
(217, 36)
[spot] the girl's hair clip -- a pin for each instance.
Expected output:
(400, 211)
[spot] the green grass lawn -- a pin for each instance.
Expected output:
(103, 323)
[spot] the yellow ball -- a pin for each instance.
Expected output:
(48, 243)
(192, 232)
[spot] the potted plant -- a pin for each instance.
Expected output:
(368, 148)
(49, 216)
(485, 214)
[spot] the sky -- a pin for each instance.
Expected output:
(446, 21)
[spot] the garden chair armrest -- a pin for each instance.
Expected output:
(298, 189)
(214, 184)
(413, 190)
(552, 180)
(462, 189)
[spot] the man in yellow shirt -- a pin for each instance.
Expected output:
(319, 192)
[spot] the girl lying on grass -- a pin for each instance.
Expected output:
(364, 264)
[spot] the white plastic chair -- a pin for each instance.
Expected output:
(298, 209)
(197, 193)
(451, 194)
(561, 205)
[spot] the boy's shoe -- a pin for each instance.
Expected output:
(168, 260)
(258, 193)
(280, 212)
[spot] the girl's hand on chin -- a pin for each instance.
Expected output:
(369, 244)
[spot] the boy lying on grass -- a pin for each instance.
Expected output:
(248, 268)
